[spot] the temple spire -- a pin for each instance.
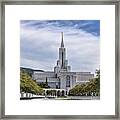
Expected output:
(62, 43)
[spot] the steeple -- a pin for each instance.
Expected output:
(62, 63)
(62, 43)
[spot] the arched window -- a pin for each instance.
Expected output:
(67, 81)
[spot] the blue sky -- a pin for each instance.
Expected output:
(40, 40)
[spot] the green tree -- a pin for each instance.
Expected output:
(44, 84)
(28, 85)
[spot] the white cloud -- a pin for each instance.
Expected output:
(39, 48)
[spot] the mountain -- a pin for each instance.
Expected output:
(29, 71)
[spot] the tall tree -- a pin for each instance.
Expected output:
(28, 85)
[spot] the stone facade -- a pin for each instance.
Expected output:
(62, 77)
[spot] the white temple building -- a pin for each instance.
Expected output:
(62, 77)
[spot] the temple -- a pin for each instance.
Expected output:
(62, 77)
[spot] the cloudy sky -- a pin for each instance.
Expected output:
(40, 40)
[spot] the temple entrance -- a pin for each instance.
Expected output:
(54, 92)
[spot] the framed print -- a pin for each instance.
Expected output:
(60, 59)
